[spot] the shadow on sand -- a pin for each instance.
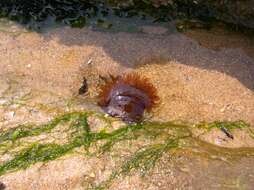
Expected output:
(126, 49)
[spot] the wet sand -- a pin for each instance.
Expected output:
(196, 81)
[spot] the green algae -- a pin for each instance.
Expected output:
(176, 138)
(76, 13)
(146, 159)
(33, 130)
(220, 124)
(44, 152)
(158, 137)
(228, 126)
(142, 160)
(35, 153)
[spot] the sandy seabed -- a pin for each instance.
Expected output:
(195, 83)
(200, 76)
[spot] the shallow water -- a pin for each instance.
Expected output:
(40, 74)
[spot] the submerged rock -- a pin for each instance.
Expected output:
(75, 13)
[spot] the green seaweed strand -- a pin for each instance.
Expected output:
(31, 130)
(173, 136)
(35, 153)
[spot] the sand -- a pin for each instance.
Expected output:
(199, 75)
(194, 83)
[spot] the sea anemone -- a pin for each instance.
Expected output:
(127, 97)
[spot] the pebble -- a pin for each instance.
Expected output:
(29, 66)
(9, 115)
(92, 175)
(89, 62)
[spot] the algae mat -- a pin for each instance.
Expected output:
(132, 150)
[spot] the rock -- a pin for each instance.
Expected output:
(237, 12)
(2, 186)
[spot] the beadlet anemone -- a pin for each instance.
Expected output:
(127, 97)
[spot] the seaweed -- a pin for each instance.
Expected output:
(77, 13)
(35, 153)
(228, 125)
(159, 138)
(34, 130)
(143, 160)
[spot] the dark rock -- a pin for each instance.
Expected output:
(2, 186)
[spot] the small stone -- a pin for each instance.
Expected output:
(92, 175)
(29, 66)
(2, 186)
(83, 89)
(222, 109)
(9, 115)
(89, 62)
